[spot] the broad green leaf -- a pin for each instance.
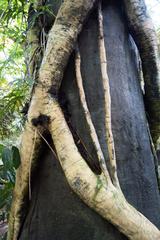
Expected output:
(7, 158)
(11, 177)
(1, 149)
(16, 157)
(5, 195)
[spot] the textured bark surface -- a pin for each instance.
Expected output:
(145, 37)
(55, 212)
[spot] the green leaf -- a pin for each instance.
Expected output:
(11, 177)
(5, 195)
(16, 157)
(7, 158)
(1, 149)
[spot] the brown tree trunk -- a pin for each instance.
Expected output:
(55, 212)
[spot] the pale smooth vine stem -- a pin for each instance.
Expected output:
(30, 163)
(48, 144)
(88, 118)
(107, 99)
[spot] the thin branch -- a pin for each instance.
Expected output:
(30, 164)
(48, 145)
(91, 127)
(107, 97)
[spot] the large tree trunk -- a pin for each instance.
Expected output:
(54, 211)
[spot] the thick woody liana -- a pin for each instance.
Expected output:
(98, 192)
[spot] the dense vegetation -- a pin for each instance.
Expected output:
(13, 83)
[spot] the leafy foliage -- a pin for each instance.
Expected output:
(13, 84)
(12, 99)
(9, 162)
(13, 14)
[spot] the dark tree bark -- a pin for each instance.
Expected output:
(55, 212)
